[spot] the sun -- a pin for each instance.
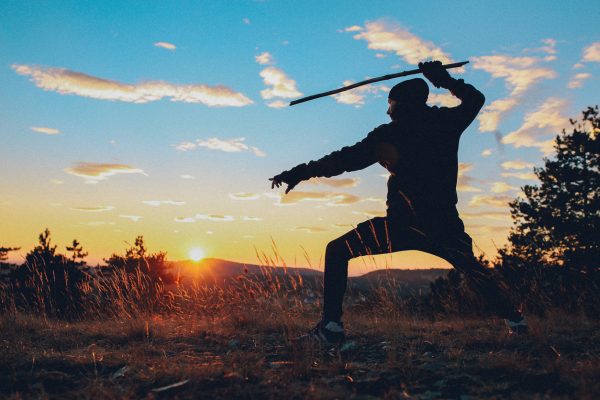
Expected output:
(196, 254)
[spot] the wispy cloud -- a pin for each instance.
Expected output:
(157, 203)
(277, 104)
(166, 45)
(184, 220)
(495, 215)
(493, 201)
(264, 58)
(486, 152)
(387, 35)
(244, 196)
(516, 164)
(335, 182)
(187, 176)
(65, 81)
(592, 52)
(577, 80)
(370, 213)
(45, 130)
(526, 176)
(235, 145)
(502, 187)
(443, 99)
(252, 219)
(100, 171)
(545, 122)
(465, 182)
(519, 74)
(356, 97)
(215, 217)
(331, 199)
(279, 84)
(311, 229)
(94, 209)
(133, 218)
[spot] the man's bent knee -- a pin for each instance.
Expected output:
(339, 249)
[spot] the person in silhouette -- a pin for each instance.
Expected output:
(419, 148)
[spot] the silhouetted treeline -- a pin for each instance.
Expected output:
(553, 254)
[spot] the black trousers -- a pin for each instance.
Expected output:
(439, 233)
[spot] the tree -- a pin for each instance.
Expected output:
(44, 254)
(558, 220)
(78, 253)
(4, 252)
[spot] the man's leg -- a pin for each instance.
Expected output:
(376, 236)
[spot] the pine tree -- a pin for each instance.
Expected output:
(558, 221)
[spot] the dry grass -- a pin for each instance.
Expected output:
(140, 339)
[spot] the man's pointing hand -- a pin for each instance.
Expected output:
(284, 177)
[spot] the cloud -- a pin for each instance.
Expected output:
(133, 218)
(94, 209)
(246, 21)
(166, 45)
(516, 164)
(464, 182)
(94, 172)
(356, 96)
(277, 104)
(353, 28)
(264, 58)
(244, 196)
(215, 217)
(252, 219)
(311, 229)
(527, 176)
(502, 187)
(493, 201)
(519, 74)
(577, 80)
(65, 81)
(227, 145)
(495, 215)
(592, 52)
(186, 176)
(281, 86)
(157, 203)
(546, 121)
(443, 99)
(386, 35)
(335, 182)
(57, 181)
(331, 199)
(490, 116)
(486, 152)
(184, 220)
(45, 130)
(371, 213)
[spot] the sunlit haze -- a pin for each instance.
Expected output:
(166, 119)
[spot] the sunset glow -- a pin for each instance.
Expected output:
(196, 254)
(112, 130)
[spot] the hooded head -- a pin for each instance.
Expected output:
(412, 93)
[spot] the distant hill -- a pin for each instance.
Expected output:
(217, 271)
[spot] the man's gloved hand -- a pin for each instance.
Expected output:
(435, 73)
(291, 178)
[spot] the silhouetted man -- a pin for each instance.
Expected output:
(420, 150)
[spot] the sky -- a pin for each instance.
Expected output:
(166, 119)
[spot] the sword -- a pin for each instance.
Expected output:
(373, 80)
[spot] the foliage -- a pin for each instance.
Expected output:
(4, 252)
(558, 220)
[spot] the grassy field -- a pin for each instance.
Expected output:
(247, 354)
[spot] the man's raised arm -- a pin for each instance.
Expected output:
(350, 158)
(471, 99)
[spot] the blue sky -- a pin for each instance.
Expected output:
(111, 107)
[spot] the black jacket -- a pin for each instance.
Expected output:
(419, 149)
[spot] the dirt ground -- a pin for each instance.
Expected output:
(248, 355)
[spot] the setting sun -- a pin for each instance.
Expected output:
(196, 254)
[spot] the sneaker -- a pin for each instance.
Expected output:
(325, 332)
(517, 327)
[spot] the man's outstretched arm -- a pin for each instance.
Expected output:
(350, 158)
(471, 99)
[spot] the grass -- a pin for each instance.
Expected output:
(248, 355)
(142, 339)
